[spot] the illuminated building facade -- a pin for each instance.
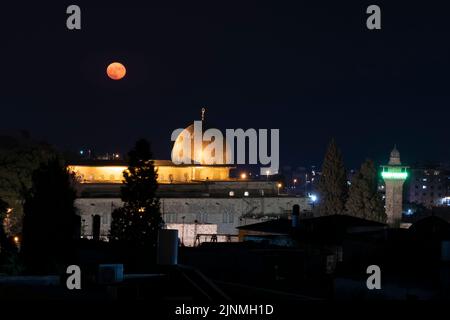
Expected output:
(112, 172)
(201, 201)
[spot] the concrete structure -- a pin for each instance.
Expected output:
(217, 216)
(394, 175)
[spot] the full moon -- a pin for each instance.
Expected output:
(116, 71)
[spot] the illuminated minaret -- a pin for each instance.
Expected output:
(394, 175)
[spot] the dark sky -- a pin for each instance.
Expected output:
(311, 69)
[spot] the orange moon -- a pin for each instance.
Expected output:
(116, 71)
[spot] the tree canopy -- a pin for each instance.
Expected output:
(50, 221)
(364, 200)
(19, 157)
(332, 186)
(139, 219)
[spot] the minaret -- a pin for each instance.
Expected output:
(394, 175)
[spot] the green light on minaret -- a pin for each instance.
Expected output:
(394, 175)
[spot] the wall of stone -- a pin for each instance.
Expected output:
(202, 189)
(225, 213)
(394, 201)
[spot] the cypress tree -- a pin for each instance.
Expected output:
(332, 186)
(50, 219)
(364, 200)
(138, 220)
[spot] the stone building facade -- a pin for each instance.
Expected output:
(221, 214)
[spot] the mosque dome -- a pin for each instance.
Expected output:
(209, 153)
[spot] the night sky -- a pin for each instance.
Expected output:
(311, 69)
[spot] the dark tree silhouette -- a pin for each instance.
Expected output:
(50, 218)
(138, 221)
(4, 242)
(19, 157)
(364, 200)
(332, 185)
(9, 262)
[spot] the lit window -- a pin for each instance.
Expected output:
(246, 194)
(231, 194)
(424, 187)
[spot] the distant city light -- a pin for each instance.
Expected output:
(409, 212)
(279, 185)
(394, 175)
(81, 152)
(231, 193)
(313, 197)
(446, 201)
(424, 187)
(246, 194)
(243, 176)
(16, 239)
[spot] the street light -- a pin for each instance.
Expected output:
(267, 173)
(313, 199)
(295, 181)
(279, 185)
(243, 176)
